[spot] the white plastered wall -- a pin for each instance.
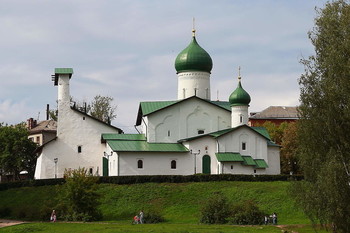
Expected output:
(256, 145)
(155, 163)
(193, 84)
(78, 130)
(184, 119)
(274, 160)
(205, 146)
(74, 130)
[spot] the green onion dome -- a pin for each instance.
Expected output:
(193, 58)
(239, 96)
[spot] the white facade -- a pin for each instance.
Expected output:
(186, 136)
(193, 84)
(78, 141)
(239, 115)
(185, 119)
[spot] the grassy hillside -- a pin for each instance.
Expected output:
(178, 203)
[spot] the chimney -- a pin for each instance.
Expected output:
(47, 111)
(30, 123)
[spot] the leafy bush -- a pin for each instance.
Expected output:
(156, 179)
(153, 217)
(216, 210)
(78, 197)
(245, 213)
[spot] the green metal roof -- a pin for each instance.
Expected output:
(64, 71)
(263, 131)
(229, 157)
(149, 107)
(248, 160)
(112, 136)
(143, 146)
(153, 106)
(239, 96)
(223, 104)
(193, 58)
(260, 163)
(271, 143)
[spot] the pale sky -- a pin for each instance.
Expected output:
(126, 50)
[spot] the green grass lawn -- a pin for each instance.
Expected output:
(178, 203)
(161, 228)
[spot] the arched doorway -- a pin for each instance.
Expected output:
(206, 164)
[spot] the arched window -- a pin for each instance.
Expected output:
(173, 164)
(140, 163)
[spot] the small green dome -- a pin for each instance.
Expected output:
(239, 96)
(193, 58)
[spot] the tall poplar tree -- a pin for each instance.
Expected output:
(324, 128)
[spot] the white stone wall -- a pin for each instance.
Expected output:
(185, 119)
(273, 160)
(79, 130)
(193, 84)
(155, 163)
(205, 146)
(239, 116)
(256, 145)
(74, 130)
(236, 168)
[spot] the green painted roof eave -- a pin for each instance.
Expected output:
(260, 163)
(248, 160)
(144, 146)
(229, 157)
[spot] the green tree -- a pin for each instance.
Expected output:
(216, 210)
(289, 150)
(78, 197)
(101, 107)
(246, 212)
(17, 152)
(285, 135)
(324, 127)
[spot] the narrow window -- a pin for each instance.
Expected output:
(38, 139)
(231, 166)
(240, 119)
(140, 164)
(254, 171)
(244, 146)
(84, 118)
(207, 93)
(79, 149)
(173, 164)
(195, 91)
(91, 171)
(184, 93)
(168, 133)
(200, 131)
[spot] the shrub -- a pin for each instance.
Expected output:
(245, 213)
(153, 217)
(216, 210)
(78, 197)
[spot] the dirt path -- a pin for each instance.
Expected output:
(6, 223)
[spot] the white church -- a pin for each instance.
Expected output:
(190, 135)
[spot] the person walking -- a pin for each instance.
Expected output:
(266, 220)
(53, 216)
(141, 216)
(274, 219)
